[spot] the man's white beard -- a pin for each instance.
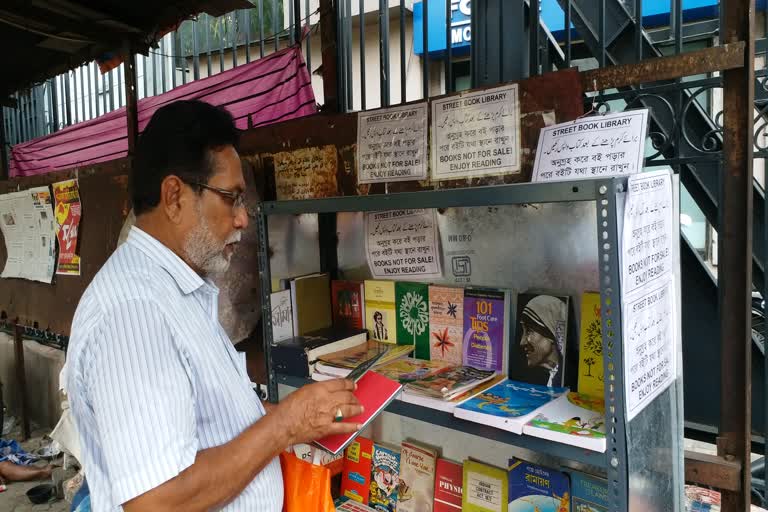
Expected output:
(204, 251)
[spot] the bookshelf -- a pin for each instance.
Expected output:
(632, 452)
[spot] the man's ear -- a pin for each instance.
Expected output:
(173, 197)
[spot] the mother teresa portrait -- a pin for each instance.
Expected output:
(543, 324)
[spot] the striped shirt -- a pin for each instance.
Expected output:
(152, 378)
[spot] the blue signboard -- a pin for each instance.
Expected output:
(655, 14)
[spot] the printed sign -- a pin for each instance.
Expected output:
(392, 144)
(26, 221)
(402, 244)
(306, 173)
(68, 213)
(476, 134)
(649, 303)
(592, 147)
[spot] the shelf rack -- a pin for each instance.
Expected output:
(607, 194)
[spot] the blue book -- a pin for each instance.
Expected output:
(589, 493)
(533, 488)
(508, 405)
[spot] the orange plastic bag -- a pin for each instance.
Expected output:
(307, 487)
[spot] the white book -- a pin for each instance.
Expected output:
(333, 371)
(282, 316)
(574, 419)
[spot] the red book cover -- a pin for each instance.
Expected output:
(374, 392)
(449, 477)
(347, 299)
(356, 476)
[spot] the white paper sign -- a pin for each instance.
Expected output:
(392, 144)
(28, 227)
(650, 309)
(402, 243)
(592, 147)
(476, 134)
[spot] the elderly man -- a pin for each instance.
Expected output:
(164, 407)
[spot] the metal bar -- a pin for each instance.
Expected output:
(533, 35)
(297, 21)
(53, 98)
(639, 29)
(291, 31)
(275, 26)
(348, 53)
(261, 28)
(526, 193)
(82, 92)
(603, 42)
(384, 51)
(4, 171)
(119, 76)
(735, 250)
(208, 44)
(247, 15)
(163, 71)
(145, 75)
(328, 49)
(403, 92)
(68, 93)
(222, 44)
(568, 41)
(174, 56)
(678, 25)
(708, 60)
(195, 52)
(21, 380)
(183, 54)
(94, 72)
(309, 38)
(448, 47)
(33, 112)
(154, 58)
(361, 7)
(266, 307)
(425, 47)
(233, 19)
(104, 93)
(342, 82)
(131, 99)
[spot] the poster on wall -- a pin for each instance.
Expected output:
(592, 147)
(68, 212)
(26, 221)
(402, 244)
(306, 173)
(392, 144)
(476, 134)
(650, 306)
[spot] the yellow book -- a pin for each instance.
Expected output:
(591, 347)
(380, 314)
(486, 488)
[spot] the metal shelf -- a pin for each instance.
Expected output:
(523, 193)
(447, 420)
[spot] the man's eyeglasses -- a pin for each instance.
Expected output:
(236, 198)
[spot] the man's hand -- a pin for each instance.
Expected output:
(310, 412)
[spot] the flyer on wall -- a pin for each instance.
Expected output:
(26, 221)
(68, 212)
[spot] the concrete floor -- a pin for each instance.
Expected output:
(15, 498)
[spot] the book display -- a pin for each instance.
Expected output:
(516, 319)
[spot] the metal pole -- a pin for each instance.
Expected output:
(94, 87)
(208, 44)
(195, 53)
(82, 92)
(291, 19)
(361, 7)
(639, 29)
(233, 19)
(309, 38)
(384, 51)
(601, 24)
(403, 71)
(348, 54)
(247, 15)
(68, 96)
(448, 47)
(735, 251)
(261, 28)
(568, 42)
(131, 109)
(328, 41)
(425, 47)
(533, 34)
(275, 26)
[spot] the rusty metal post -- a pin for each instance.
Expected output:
(735, 246)
(329, 53)
(131, 101)
(21, 379)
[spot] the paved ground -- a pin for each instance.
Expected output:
(15, 498)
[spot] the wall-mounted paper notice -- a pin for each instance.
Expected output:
(402, 243)
(476, 134)
(392, 144)
(27, 224)
(592, 147)
(306, 173)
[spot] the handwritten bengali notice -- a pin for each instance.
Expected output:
(392, 144)
(476, 134)
(306, 173)
(649, 303)
(592, 147)
(402, 243)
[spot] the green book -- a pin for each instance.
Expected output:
(485, 488)
(412, 300)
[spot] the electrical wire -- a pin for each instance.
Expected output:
(46, 34)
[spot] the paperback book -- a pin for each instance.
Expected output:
(347, 301)
(344, 504)
(408, 370)
(485, 488)
(385, 478)
(448, 486)
(589, 493)
(380, 311)
(486, 329)
(417, 478)
(310, 303)
(440, 404)
(356, 475)
(339, 364)
(591, 347)
(534, 488)
(297, 356)
(508, 405)
(413, 317)
(449, 383)
(446, 324)
(574, 419)
(282, 316)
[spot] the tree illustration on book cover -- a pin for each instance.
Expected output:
(593, 344)
(414, 314)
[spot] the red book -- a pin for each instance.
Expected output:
(449, 478)
(347, 298)
(374, 392)
(356, 476)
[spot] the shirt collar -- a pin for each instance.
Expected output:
(187, 279)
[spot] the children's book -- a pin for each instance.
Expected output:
(344, 504)
(450, 382)
(485, 488)
(589, 493)
(356, 475)
(385, 478)
(508, 405)
(449, 478)
(380, 311)
(409, 370)
(339, 364)
(534, 488)
(575, 419)
(417, 478)
(440, 404)
(282, 316)
(446, 324)
(591, 347)
(413, 317)
(347, 301)
(486, 329)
